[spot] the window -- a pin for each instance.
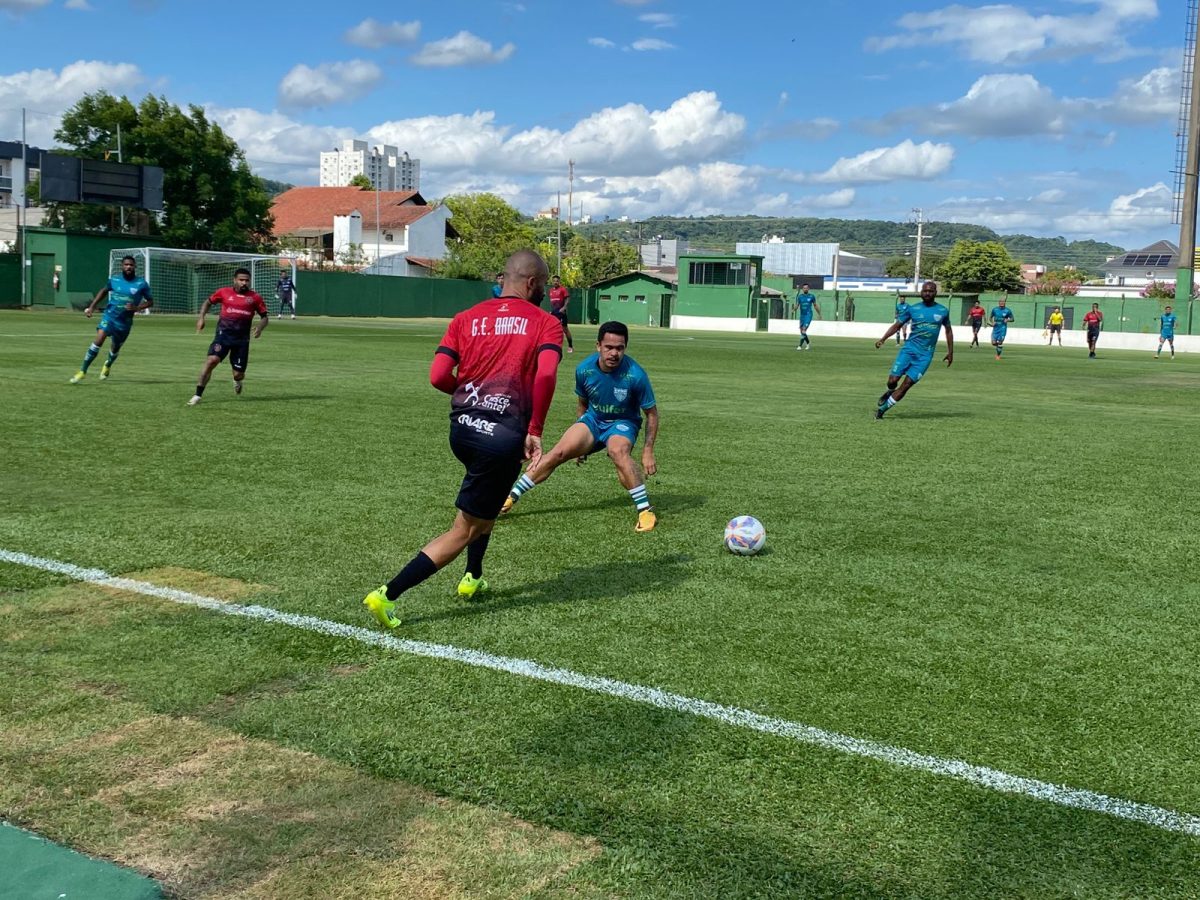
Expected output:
(718, 273)
(606, 298)
(622, 298)
(639, 298)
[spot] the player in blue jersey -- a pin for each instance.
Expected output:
(127, 293)
(902, 314)
(926, 320)
(1001, 315)
(613, 392)
(1167, 333)
(498, 286)
(805, 304)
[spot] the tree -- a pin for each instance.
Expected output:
(362, 182)
(898, 267)
(211, 199)
(980, 266)
(489, 230)
(592, 261)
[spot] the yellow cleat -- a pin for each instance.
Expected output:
(646, 520)
(78, 377)
(470, 586)
(381, 607)
(104, 371)
(509, 503)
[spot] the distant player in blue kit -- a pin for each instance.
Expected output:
(805, 304)
(926, 320)
(127, 293)
(1167, 333)
(1001, 315)
(613, 392)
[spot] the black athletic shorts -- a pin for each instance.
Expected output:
(237, 349)
(1056, 329)
(561, 315)
(976, 324)
(490, 475)
(1093, 334)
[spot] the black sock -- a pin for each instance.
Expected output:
(418, 569)
(199, 390)
(475, 551)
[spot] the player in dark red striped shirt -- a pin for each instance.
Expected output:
(238, 306)
(498, 362)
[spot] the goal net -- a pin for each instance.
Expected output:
(181, 280)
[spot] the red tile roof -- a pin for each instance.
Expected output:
(309, 209)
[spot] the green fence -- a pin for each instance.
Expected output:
(10, 280)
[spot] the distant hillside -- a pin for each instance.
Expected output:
(274, 188)
(868, 237)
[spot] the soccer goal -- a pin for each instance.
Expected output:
(181, 280)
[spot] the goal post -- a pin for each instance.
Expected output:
(181, 280)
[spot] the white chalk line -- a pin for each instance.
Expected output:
(981, 776)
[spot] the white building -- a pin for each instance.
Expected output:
(1137, 268)
(386, 166)
(783, 258)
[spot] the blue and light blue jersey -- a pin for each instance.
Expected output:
(804, 305)
(1002, 315)
(122, 292)
(620, 394)
(1168, 324)
(926, 323)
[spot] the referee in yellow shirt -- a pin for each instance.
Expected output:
(1056, 323)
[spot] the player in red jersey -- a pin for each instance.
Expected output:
(559, 296)
(976, 315)
(238, 306)
(1091, 321)
(498, 361)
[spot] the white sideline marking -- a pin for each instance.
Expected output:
(992, 779)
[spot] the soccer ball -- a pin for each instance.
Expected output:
(745, 536)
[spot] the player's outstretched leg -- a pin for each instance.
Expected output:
(473, 582)
(577, 441)
(89, 357)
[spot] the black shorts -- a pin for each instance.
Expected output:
(976, 324)
(1093, 334)
(490, 475)
(237, 349)
(561, 315)
(1056, 329)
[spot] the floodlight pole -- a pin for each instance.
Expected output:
(120, 159)
(558, 216)
(21, 217)
(378, 229)
(1185, 272)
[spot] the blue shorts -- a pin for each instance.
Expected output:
(999, 333)
(912, 362)
(805, 321)
(115, 329)
(603, 429)
(1167, 336)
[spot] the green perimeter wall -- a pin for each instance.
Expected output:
(83, 257)
(10, 280)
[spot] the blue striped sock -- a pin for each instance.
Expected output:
(640, 499)
(524, 483)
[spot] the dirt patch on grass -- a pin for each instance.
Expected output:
(204, 583)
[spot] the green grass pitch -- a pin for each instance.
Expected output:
(1003, 571)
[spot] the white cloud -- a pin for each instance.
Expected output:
(1144, 210)
(1053, 195)
(834, 200)
(19, 6)
(328, 83)
(1154, 96)
(50, 93)
(994, 106)
(81, 5)
(1003, 33)
(275, 145)
(706, 189)
(651, 44)
(373, 34)
(659, 20)
(905, 161)
(464, 49)
(601, 42)
(817, 129)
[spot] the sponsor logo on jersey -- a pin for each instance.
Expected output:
(483, 426)
(495, 402)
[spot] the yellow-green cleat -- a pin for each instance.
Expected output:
(104, 371)
(382, 608)
(469, 586)
(78, 377)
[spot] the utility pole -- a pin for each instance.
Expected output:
(558, 241)
(570, 190)
(920, 236)
(1185, 273)
(21, 217)
(120, 159)
(378, 229)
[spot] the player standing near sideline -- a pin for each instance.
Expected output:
(1056, 325)
(976, 315)
(128, 293)
(1092, 321)
(613, 392)
(927, 319)
(238, 306)
(285, 291)
(1167, 332)
(506, 351)
(559, 297)
(805, 304)
(902, 310)
(1001, 315)
(498, 287)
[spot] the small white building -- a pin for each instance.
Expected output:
(1137, 268)
(339, 224)
(386, 166)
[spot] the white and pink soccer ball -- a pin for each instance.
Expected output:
(745, 536)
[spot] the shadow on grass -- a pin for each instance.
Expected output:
(937, 414)
(284, 398)
(663, 503)
(613, 580)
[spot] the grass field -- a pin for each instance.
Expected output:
(1002, 572)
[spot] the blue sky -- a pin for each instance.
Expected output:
(1050, 118)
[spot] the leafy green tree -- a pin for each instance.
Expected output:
(211, 199)
(980, 266)
(362, 182)
(592, 261)
(898, 267)
(488, 231)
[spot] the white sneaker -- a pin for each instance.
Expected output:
(195, 399)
